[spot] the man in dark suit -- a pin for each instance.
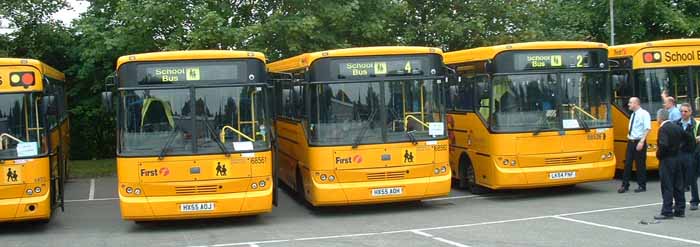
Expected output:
(671, 140)
(689, 153)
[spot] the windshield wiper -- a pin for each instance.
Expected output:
(216, 138)
(167, 144)
(360, 135)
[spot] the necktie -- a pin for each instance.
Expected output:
(631, 123)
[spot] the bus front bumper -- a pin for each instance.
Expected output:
(144, 208)
(355, 193)
(25, 208)
(539, 177)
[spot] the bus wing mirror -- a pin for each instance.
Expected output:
(107, 104)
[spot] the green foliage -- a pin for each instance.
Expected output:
(87, 51)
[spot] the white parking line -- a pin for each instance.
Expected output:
(422, 230)
(629, 230)
(249, 243)
(428, 235)
(91, 196)
(87, 200)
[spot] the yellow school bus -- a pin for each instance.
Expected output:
(193, 139)
(645, 70)
(34, 140)
(362, 125)
(530, 115)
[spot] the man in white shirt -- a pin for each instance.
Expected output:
(639, 127)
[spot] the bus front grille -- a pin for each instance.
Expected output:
(188, 190)
(386, 175)
(561, 160)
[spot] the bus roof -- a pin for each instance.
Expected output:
(42, 67)
(305, 60)
(628, 50)
(188, 55)
(489, 52)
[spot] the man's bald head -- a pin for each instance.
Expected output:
(634, 103)
(669, 102)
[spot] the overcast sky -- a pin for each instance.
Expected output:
(66, 15)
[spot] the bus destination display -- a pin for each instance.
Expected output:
(171, 73)
(537, 60)
(376, 68)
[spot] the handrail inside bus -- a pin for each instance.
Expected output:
(2, 140)
(405, 121)
(226, 127)
(576, 107)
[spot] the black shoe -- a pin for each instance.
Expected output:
(622, 190)
(640, 189)
(693, 207)
(663, 217)
(679, 215)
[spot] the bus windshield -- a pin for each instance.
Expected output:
(540, 102)
(652, 82)
(166, 121)
(19, 134)
(375, 112)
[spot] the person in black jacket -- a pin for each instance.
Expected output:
(671, 140)
(690, 153)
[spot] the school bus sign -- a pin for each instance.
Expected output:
(667, 56)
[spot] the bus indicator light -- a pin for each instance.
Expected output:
(652, 57)
(28, 79)
(14, 78)
(22, 79)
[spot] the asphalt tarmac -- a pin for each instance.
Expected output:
(592, 214)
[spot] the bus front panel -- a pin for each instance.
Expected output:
(183, 187)
(25, 190)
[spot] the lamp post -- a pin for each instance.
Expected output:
(612, 23)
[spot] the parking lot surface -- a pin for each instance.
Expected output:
(592, 214)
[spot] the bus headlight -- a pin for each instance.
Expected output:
(513, 163)
(331, 178)
(37, 190)
(129, 190)
(607, 156)
(437, 170)
(30, 192)
(506, 162)
(443, 169)
(262, 183)
(254, 186)
(323, 177)
(137, 191)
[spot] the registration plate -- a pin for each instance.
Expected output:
(196, 207)
(387, 191)
(562, 175)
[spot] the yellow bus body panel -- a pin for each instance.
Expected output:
(176, 180)
(536, 156)
(15, 203)
(362, 169)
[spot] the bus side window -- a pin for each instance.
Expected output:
(483, 96)
(622, 88)
(464, 98)
(288, 109)
(298, 95)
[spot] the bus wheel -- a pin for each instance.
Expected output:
(300, 187)
(467, 178)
